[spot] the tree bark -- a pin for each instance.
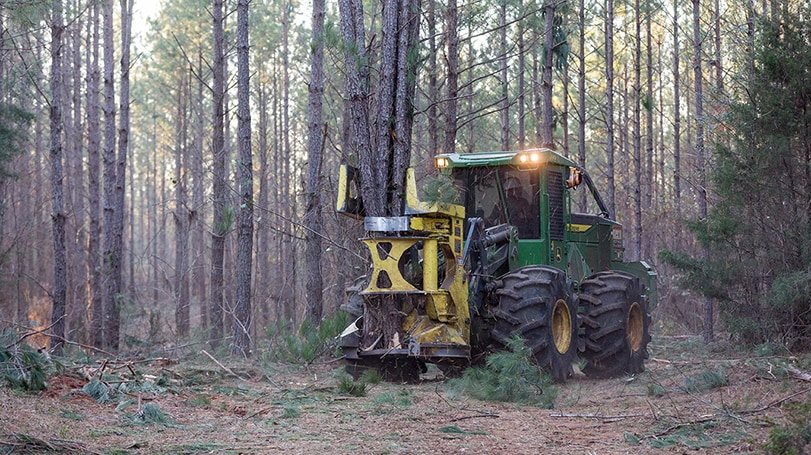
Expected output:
(221, 222)
(58, 214)
(94, 256)
(581, 95)
(547, 127)
(700, 159)
(521, 76)
(609, 106)
(433, 88)
(649, 138)
(315, 145)
(121, 173)
(181, 212)
(452, 76)
(504, 114)
(242, 310)
(110, 261)
(637, 126)
(676, 118)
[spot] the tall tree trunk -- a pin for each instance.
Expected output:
(315, 146)
(242, 309)
(93, 185)
(196, 221)
(221, 222)
(58, 215)
(700, 160)
(609, 106)
(452, 77)
(581, 94)
(78, 233)
(504, 114)
(121, 171)
(637, 151)
(649, 151)
(718, 61)
(522, 50)
(110, 295)
(377, 191)
(155, 224)
(288, 247)
(181, 212)
(547, 127)
(433, 88)
(408, 27)
(263, 254)
(676, 119)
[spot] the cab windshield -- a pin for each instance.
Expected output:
(501, 194)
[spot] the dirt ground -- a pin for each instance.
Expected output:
(679, 405)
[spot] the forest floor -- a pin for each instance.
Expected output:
(690, 398)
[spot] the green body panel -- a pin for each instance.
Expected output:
(580, 244)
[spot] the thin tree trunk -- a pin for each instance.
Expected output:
(700, 160)
(78, 232)
(676, 119)
(121, 172)
(288, 247)
(649, 154)
(609, 108)
(109, 305)
(433, 88)
(504, 113)
(405, 87)
(581, 95)
(522, 133)
(547, 127)
(242, 309)
(452, 77)
(181, 213)
(718, 62)
(221, 223)
(58, 214)
(315, 146)
(196, 225)
(564, 117)
(637, 126)
(264, 274)
(93, 185)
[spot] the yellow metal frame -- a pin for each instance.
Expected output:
(443, 317)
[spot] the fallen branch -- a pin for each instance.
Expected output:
(30, 444)
(678, 426)
(774, 403)
(227, 370)
(597, 416)
(798, 373)
(485, 414)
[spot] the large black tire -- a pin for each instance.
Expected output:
(538, 302)
(617, 324)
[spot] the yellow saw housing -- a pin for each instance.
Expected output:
(417, 259)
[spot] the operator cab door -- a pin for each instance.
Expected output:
(499, 195)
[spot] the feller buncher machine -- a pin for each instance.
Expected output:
(450, 282)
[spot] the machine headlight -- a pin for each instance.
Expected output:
(529, 159)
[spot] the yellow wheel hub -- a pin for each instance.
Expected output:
(562, 326)
(636, 327)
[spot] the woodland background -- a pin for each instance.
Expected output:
(180, 186)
